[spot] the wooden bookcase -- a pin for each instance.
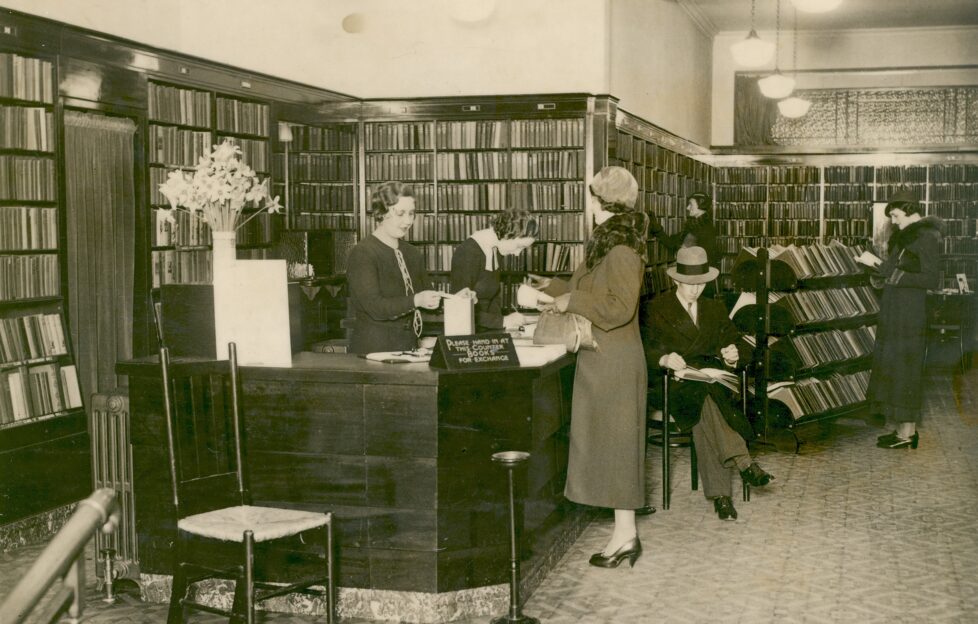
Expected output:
(184, 123)
(42, 419)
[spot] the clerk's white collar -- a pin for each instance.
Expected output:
(488, 241)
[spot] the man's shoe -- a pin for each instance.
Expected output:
(647, 510)
(724, 507)
(755, 476)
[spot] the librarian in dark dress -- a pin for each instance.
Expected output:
(475, 265)
(606, 465)
(682, 330)
(911, 268)
(698, 228)
(387, 278)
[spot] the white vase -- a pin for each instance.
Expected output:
(224, 250)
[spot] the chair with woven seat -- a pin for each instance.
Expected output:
(212, 501)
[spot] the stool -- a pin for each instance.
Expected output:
(510, 460)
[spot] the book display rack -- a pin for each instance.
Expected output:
(184, 122)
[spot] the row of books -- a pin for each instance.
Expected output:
(29, 276)
(472, 165)
(953, 209)
(561, 227)
(834, 345)
(328, 138)
(810, 397)
(954, 173)
(26, 128)
(662, 205)
(548, 164)
(174, 146)
(741, 193)
(316, 167)
(24, 78)
(636, 150)
(254, 152)
(751, 176)
(438, 257)
(829, 304)
(954, 192)
(848, 192)
(469, 197)
(546, 196)
(793, 175)
(848, 211)
(792, 211)
(656, 279)
(171, 266)
(885, 191)
(859, 228)
(547, 133)
(833, 259)
(668, 182)
(245, 117)
(39, 390)
(741, 228)
(410, 166)
(792, 193)
(960, 227)
(900, 174)
(324, 198)
(28, 227)
(402, 135)
(26, 178)
(470, 134)
(325, 221)
(784, 227)
(184, 230)
(31, 337)
(656, 252)
(740, 211)
(733, 244)
(180, 106)
(961, 245)
(849, 174)
(553, 257)
(447, 227)
(784, 241)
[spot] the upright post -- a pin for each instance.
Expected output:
(510, 460)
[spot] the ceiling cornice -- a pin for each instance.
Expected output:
(859, 31)
(702, 21)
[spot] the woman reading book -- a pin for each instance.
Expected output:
(682, 332)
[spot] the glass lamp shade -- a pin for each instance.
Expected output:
(284, 133)
(752, 51)
(794, 107)
(816, 6)
(776, 86)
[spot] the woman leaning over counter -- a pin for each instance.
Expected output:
(387, 279)
(475, 265)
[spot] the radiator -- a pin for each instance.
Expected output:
(112, 468)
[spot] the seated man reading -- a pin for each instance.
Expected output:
(682, 333)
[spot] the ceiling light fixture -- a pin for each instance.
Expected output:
(777, 85)
(794, 107)
(816, 6)
(752, 51)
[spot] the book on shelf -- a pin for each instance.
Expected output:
(25, 78)
(32, 336)
(812, 396)
(38, 390)
(24, 228)
(29, 277)
(178, 105)
(27, 178)
(26, 128)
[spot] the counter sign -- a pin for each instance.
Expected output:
(476, 351)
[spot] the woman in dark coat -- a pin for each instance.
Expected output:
(911, 268)
(387, 279)
(698, 229)
(606, 467)
(475, 265)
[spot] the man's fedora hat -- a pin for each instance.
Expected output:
(692, 267)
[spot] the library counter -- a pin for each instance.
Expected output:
(399, 452)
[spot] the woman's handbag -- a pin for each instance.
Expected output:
(568, 329)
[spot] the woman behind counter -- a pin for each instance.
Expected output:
(384, 274)
(606, 466)
(475, 265)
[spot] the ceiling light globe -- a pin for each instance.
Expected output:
(816, 6)
(752, 51)
(776, 86)
(794, 107)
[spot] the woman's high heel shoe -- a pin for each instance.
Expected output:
(630, 550)
(896, 442)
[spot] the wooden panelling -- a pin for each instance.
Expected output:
(403, 529)
(401, 482)
(304, 417)
(321, 479)
(404, 570)
(402, 421)
(474, 567)
(60, 472)
(98, 82)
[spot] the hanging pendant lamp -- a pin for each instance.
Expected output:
(794, 107)
(777, 85)
(752, 51)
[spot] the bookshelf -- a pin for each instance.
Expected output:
(953, 196)
(740, 213)
(848, 194)
(463, 171)
(666, 178)
(184, 122)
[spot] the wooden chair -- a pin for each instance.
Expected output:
(62, 565)
(212, 501)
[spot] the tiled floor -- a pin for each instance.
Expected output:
(847, 533)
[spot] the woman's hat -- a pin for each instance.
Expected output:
(692, 267)
(615, 185)
(903, 195)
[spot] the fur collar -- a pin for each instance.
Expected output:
(928, 225)
(625, 228)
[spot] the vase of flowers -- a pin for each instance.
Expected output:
(217, 191)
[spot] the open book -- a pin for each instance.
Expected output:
(710, 375)
(869, 259)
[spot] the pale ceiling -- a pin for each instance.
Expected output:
(734, 15)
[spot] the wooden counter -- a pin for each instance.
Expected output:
(401, 454)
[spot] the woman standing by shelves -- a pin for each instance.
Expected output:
(606, 467)
(911, 268)
(475, 265)
(384, 272)
(698, 229)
